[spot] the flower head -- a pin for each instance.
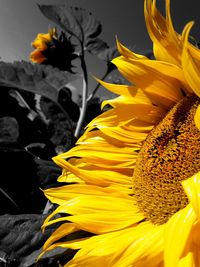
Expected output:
(134, 175)
(54, 50)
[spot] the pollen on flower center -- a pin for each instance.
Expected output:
(169, 155)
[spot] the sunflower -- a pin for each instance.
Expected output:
(54, 50)
(41, 44)
(134, 175)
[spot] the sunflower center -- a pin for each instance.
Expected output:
(169, 155)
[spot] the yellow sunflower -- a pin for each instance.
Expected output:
(134, 175)
(41, 44)
(53, 49)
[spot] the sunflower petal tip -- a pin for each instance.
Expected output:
(197, 117)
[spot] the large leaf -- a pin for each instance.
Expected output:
(21, 242)
(96, 46)
(74, 20)
(35, 78)
(20, 235)
(50, 259)
(60, 127)
(48, 172)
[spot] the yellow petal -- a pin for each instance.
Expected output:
(161, 82)
(108, 248)
(101, 155)
(74, 244)
(166, 41)
(129, 114)
(93, 214)
(39, 44)
(37, 57)
(187, 261)
(103, 244)
(62, 231)
(197, 117)
(106, 222)
(62, 194)
(133, 94)
(192, 189)
(191, 67)
(177, 233)
(124, 51)
(147, 250)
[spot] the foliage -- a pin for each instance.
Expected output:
(34, 78)
(77, 22)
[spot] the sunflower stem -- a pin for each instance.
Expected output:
(110, 68)
(84, 97)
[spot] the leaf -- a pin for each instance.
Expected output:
(50, 259)
(21, 241)
(74, 20)
(60, 127)
(108, 54)
(20, 235)
(35, 78)
(95, 46)
(48, 172)
(9, 129)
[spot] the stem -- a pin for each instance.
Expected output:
(84, 97)
(90, 97)
(3, 260)
(83, 110)
(8, 197)
(110, 68)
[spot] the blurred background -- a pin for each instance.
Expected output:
(21, 21)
